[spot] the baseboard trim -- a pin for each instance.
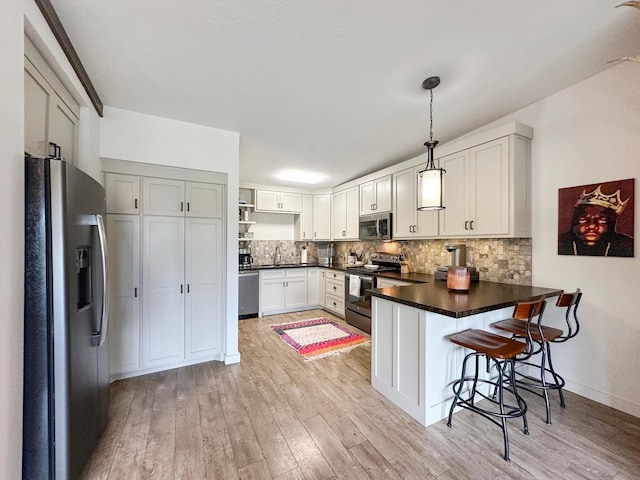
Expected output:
(604, 398)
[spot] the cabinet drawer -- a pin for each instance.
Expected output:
(296, 273)
(270, 274)
(335, 288)
(335, 275)
(335, 304)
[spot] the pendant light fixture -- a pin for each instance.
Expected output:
(430, 180)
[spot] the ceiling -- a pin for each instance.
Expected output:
(334, 86)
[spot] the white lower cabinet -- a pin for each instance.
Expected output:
(283, 290)
(334, 287)
(203, 318)
(124, 308)
(164, 287)
(182, 305)
(313, 282)
(322, 290)
(413, 362)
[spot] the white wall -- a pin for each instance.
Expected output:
(17, 17)
(589, 133)
(131, 136)
(11, 236)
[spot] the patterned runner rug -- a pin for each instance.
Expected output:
(318, 337)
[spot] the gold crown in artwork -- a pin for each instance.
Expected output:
(596, 197)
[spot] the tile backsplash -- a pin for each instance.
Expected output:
(505, 260)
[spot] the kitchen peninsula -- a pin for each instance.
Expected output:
(413, 362)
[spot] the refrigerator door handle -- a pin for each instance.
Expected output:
(104, 322)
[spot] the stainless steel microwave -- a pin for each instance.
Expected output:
(375, 227)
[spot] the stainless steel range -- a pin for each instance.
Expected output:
(357, 282)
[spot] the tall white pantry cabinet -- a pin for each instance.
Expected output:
(166, 256)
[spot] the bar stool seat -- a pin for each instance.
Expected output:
(501, 351)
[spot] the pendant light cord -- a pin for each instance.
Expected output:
(431, 115)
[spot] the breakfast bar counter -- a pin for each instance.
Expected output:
(434, 296)
(413, 363)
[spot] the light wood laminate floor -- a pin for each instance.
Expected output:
(276, 416)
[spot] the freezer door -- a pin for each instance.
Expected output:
(81, 387)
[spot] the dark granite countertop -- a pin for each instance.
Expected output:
(281, 265)
(481, 297)
(408, 277)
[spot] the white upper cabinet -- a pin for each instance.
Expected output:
(162, 196)
(123, 193)
(407, 221)
(204, 200)
(322, 217)
(279, 202)
(375, 196)
(487, 190)
(346, 214)
(51, 115)
(304, 222)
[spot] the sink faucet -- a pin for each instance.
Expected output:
(278, 256)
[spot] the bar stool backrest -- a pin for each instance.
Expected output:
(570, 301)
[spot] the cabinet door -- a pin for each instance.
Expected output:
(290, 202)
(204, 200)
(382, 194)
(352, 214)
(62, 129)
(455, 216)
(404, 204)
(313, 279)
(123, 193)
(267, 201)
(203, 256)
(124, 308)
(296, 292)
(163, 295)
(305, 220)
(322, 217)
(162, 196)
(489, 188)
(51, 113)
(271, 295)
(36, 112)
(339, 216)
(367, 198)
(322, 291)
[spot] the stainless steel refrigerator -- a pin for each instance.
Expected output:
(66, 368)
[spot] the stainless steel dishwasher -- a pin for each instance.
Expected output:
(248, 294)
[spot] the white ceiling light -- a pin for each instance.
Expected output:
(300, 176)
(430, 180)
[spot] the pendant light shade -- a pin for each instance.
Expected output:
(431, 179)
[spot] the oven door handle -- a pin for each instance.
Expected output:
(378, 234)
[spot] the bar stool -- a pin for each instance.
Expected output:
(540, 338)
(501, 351)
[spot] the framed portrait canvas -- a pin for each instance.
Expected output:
(597, 219)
